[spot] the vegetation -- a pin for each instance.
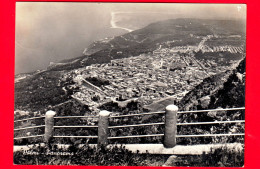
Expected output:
(118, 155)
(87, 155)
(41, 90)
(218, 157)
(224, 90)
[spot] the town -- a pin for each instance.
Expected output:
(171, 71)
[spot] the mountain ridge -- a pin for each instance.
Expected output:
(124, 45)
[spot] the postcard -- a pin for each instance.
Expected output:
(129, 84)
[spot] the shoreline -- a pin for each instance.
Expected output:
(113, 23)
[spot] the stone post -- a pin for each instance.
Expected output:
(103, 127)
(49, 123)
(170, 126)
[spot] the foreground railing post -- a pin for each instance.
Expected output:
(170, 126)
(103, 127)
(49, 123)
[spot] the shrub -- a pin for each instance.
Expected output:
(218, 157)
(116, 155)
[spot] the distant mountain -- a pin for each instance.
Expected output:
(183, 31)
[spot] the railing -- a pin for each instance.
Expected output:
(170, 129)
(30, 127)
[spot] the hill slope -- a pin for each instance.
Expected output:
(224, 90)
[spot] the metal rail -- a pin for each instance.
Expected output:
(135, 125)
(28, 137)
(140, 114)
(178, 136)
(65, 117)
(180, 112)
(179, 124)
(211, 135)
(75, 126)
(75, 136)
(214, 122)
(29, 118)
(24, 128)
(135, 136)
(199, 111)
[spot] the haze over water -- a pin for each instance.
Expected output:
(53, 31)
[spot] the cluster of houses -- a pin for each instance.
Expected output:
(228, 48)
(148, 77)
(202, 46)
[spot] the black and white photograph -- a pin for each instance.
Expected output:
(129, 84)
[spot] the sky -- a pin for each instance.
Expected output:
(53, 31)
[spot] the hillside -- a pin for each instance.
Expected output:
(223, 90)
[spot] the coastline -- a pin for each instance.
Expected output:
(113, 22)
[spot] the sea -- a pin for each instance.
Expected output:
(58, 38)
